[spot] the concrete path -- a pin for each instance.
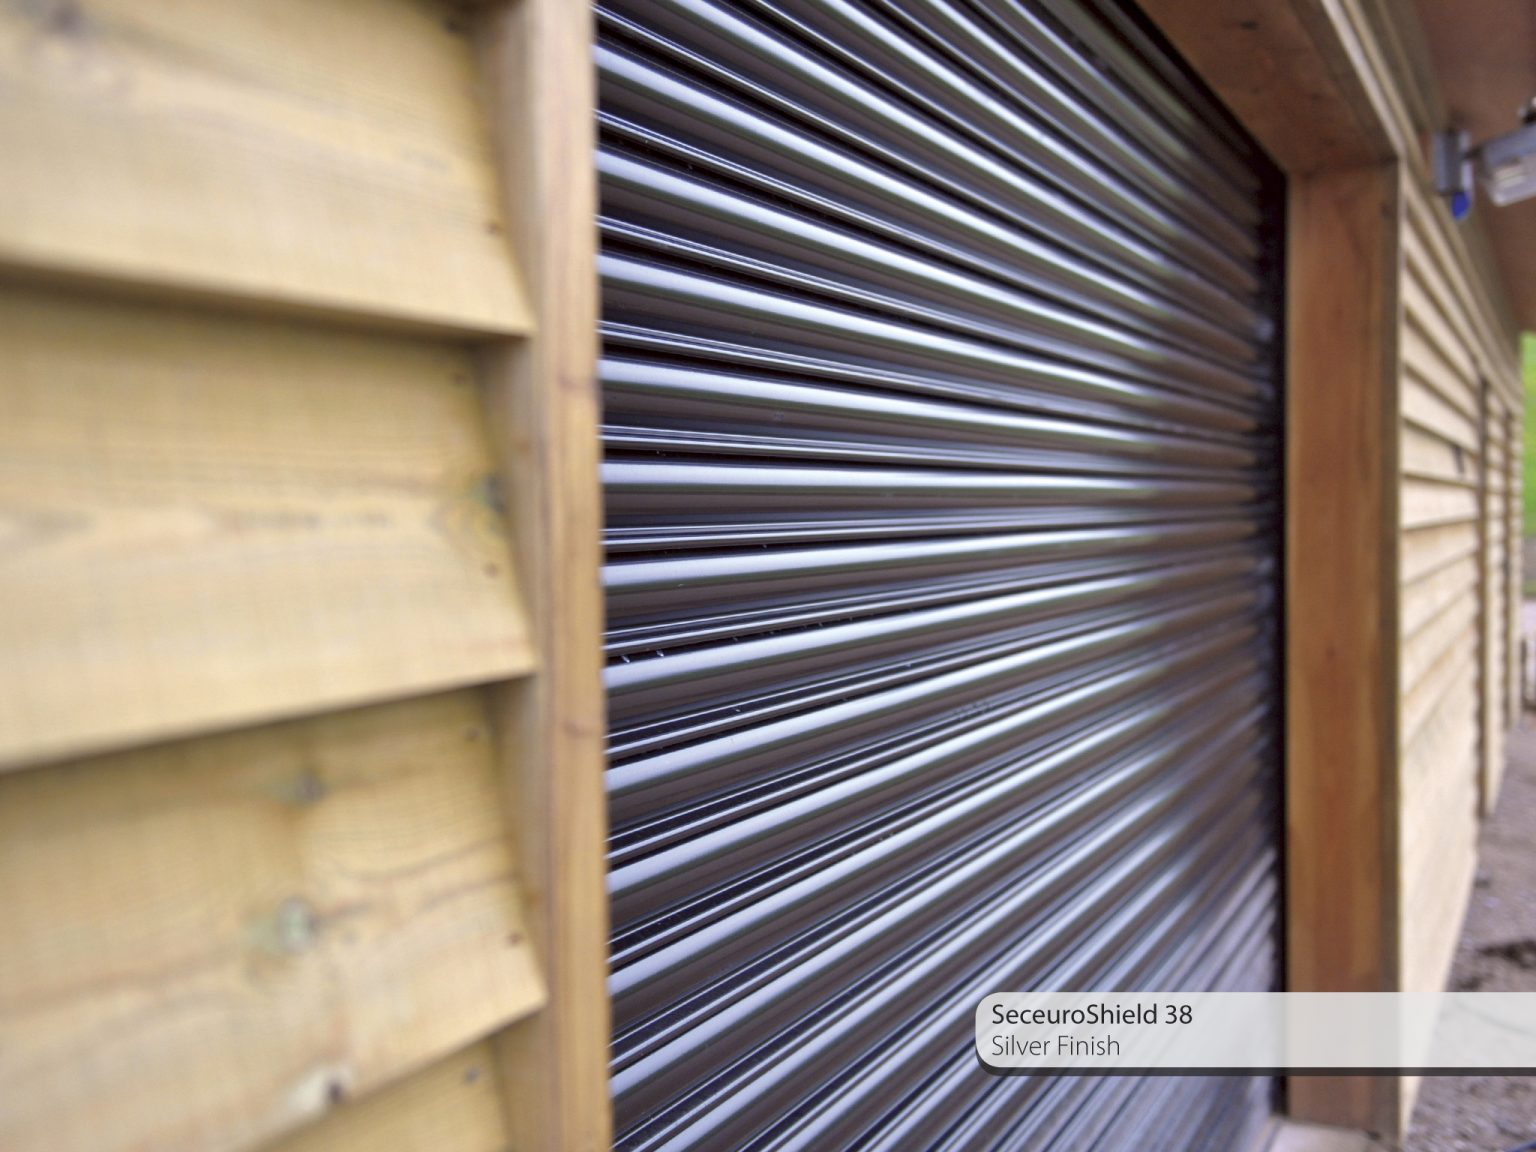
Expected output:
(1497, 953)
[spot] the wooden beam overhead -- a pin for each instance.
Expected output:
(1285, 71)
(1341, 609)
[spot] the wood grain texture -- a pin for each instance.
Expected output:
(1427, 551)
(1439, 816)
(1427, 455)
(1465, 300)
(542, 399)
(210, 521)
(1425, 410)
(1447, 623)
(210, 942)
(1448, 586)
(329, 156)
(1268, 59)
(1342, 608)
(1448, 673)
(1447, 735)
(452, 1106)
(1428, 504)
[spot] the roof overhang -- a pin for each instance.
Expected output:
(1325, 85)
(1484, 59)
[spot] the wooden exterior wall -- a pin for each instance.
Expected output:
(300, 779)
(1459, 405)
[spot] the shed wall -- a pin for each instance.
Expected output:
(1458, 418)
(274, 709)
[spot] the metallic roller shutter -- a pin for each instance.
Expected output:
(942, 476)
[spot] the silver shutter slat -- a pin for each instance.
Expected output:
(901, 994)
(637, 287)
(865, 116)
(1041, 67)
(959, 1112)
(1124, 50)
(648, 870)
(1030, 32)
(961, 236)
(880, 277)
(1023, 114)
(709, 410)
(942, 442)
(1026, 384)
(696, 755)
(667, 683)
(727, 928)
(711, 764)
(649, 586)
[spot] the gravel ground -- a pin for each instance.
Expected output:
(1497, 953)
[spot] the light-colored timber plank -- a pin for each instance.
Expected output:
(543, 405)
(331, 156)
(1437, 902)
(1439, 829)
(1439, 765)
(1425, 361)
(1422, 648)
(1429, 305)
(1426, 502)
(1498, 716)
(453, 1106)
(1425, 598)
(1444, 740)
(1484, 323)
(210, 942)
(1456, 665)
(1427, 455)
(210, 521)
(1425, 409)
(1427, 550)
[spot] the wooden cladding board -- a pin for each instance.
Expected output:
(210, 942)
(1495, 622)
(453, 1106)
(1453, 623)
(275, 871)
(212, 520)
(331, 156)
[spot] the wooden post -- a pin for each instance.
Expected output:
(542, 393)
(1341, 574)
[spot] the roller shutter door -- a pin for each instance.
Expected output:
(942, 467)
